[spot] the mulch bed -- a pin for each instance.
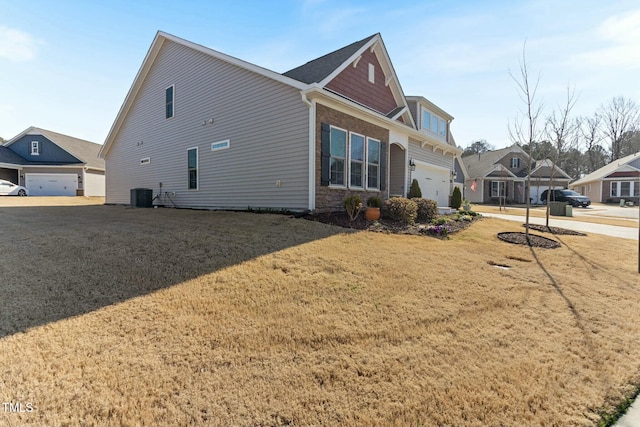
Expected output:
(554, 230)
(341, 219)
(533, 241)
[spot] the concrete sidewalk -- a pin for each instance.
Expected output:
(632, 417)
(586, 227)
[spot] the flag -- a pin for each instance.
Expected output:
(520, 189)
(473, 185)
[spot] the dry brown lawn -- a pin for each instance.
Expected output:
(118, 316)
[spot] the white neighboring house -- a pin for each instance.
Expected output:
(619, 179)
(204, 129)
(52, 164)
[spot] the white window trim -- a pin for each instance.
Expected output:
(502, 184)
(145, 161)
(515, 162)
(36, 145)
(221, 145)
(197, 169)
(346, 159)
(173, 102)
(367, 163)
(372, 73)
(439, 133)
(363, 161)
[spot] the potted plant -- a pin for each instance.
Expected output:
(372, 213)
(466, 205)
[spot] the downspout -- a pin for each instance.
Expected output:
(312, 150)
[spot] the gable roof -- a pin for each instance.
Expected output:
(158, 41)
(607, 169)
(317, 70)
(479, 166)
(83, 150)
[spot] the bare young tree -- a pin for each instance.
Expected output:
(619, 116)
(591, 133)
(525, 130)
(562, 132)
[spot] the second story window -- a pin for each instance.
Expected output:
(515, 163)
(434, 124)
(169, 95)
(35, 148)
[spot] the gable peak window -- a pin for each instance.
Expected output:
(372, 73)
(35, 148)
(515, 162)
(169, 101)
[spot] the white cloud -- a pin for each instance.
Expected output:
(621, 37)
(16, 45)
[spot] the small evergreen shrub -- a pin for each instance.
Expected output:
(374, 202)
(456, 198)
(441, 221)
(414, 191)
(427, 209)
(352, 204)
(400, 209)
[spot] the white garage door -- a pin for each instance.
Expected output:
(51, 184)
(434, 183)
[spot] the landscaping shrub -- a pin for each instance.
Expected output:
(400, 209)
(456, 198)
(374, 202)
(414, 191)
(427, 209)
(352, 204)
(441, 221)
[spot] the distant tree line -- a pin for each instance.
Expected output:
(582, 144)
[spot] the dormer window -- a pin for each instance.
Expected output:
(515, 163)
(434, 124)
(35, 148)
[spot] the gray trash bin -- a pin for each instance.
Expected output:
(557, 208)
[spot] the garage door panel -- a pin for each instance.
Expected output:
(51, 184)
(434, 184)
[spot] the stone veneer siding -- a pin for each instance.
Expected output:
(332, 199)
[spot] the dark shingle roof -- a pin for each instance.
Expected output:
(317, 70)
(8, 156)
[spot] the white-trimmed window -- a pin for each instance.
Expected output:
(624, 189)
(498, 188)
(221, 145)
(192, 167)
(35, 148)
(145, 161)
(372, 73)
(356, 160)
(169, 100)
(338, 157)
(515, 162)
(373, 163)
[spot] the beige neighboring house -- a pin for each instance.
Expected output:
(619, 179)
(503, 173)
(52, 164)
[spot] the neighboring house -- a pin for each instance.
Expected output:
(503, 173)
(52, 164)
(204, 129)
(619, 179)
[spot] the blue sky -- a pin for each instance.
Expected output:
(67, 65)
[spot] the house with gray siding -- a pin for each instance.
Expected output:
(48, 163)
(203, 129)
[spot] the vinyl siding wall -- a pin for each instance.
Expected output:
(265, 121)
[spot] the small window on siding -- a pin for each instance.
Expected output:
(222, 145)
(145, 161)
(35, 148)
(515, 162)
(169, 101)
(192, 167)
(372, 73)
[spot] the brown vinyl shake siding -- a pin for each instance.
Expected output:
(328, 198)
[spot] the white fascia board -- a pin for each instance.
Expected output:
(18, 136)
(430, 106)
